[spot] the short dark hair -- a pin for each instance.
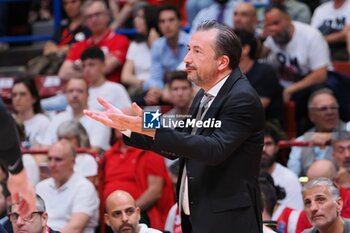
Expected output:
(278, 6)
(171, 76)
(248, 38)
(93, 52)
(169, 7)
(29, 82)
(227, 42)
(271, 132)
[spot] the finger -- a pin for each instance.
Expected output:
(136, 109)
(104, 103)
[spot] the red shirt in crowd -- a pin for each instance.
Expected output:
(129, 172)
(111, 43)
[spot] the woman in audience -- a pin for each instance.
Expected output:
(136, 69)
(26, 104)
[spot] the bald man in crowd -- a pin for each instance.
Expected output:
(122, 214)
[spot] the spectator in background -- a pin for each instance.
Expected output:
(93, 61)
(281, 175)
(324, 114)
(144, 175)
(136, 69)
(36, 222)
(301, 55)
(298, 11)
(71, 31)
(287, 220)
(219, 10)
(77, 96)
(245, 18)
(85, 164)
(26, 103)
(123, 214)
(323, 205)
(96, 17)
(167, 52)
(262, 77)
(181, 93)
(71, 200)
(331, 18)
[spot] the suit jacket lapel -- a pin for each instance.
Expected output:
(219, 99)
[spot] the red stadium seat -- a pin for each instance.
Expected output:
(342, 67)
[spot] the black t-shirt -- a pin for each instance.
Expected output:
(266, 83)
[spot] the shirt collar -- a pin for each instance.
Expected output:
(216, 88)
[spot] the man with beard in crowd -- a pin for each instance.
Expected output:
(281, 175)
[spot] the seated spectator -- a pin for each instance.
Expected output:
(323, 205)
(167, 52)
(36, 222)
(341, 154)
(245, 18)
(77, 96)
(93, 61)
(219, 10)
(85, 164)
(262, 77)
(322, 168)
(123, 214)
(71, 31)
(298, 11)
(332, 19)
(181, 93)
(26, 103)
(136, 69)
(96, 17)
(143, 174)
(281, 175)
(285, 219)
(301, 55)
(324, 114)
(71, 200)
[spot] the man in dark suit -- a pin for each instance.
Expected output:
(219, 165)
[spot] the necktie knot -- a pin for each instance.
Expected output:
(206, 99)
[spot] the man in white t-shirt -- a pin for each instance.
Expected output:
(281, 175)
(93, 60)
(77, 96)
(299, 52)
(71, 200)
(331, 18)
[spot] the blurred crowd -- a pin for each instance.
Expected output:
(289, 51)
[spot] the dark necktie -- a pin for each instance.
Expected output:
(202, 109)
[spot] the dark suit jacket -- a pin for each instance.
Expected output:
(222, 164)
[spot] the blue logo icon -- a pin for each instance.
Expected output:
(151, 119)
